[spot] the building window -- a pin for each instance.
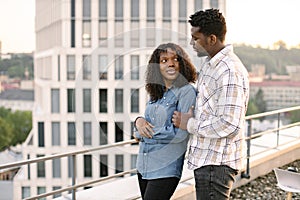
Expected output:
(87, 133)
(119, 29)
(135, 9)
(135, 33)
(103, 9)
(119, 132)
(119, 100)
(182, 33)
(150, 34)
(41, 170)
(198, 4)
(41, 134)
(70, 166)
(86, 23)
(103, 100)
(86, 33)
(103, 133)
(55, 101)
(133, 158)
(73, 23)
(86, 8)
(167, 31)
(119, 36)
(56, 188)
(102, 23)
(55, 133)
(102, 33)
(166, 10)
(58, 67)
(103, 165)
(71, 67)
(151, 9)
(132, 133)
(25, 192)
(119, 68)
(87, 67)
(182, 25)
(102, 66)
(182, 9)
(56, 168)
(41, 190)
(135, 67)
(71, 133)
(134, 101)
(87, 166)
(87, 107)
(214, 3)
(71, 100)
(119, 164)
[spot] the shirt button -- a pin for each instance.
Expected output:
(167, 104)
(164, 97)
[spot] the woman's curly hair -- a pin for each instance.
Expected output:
(155, 85)
(210, 21)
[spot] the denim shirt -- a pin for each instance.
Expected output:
(163, 155)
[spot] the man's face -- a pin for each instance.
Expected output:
(199, 42)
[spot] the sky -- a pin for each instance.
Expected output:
(253, 22)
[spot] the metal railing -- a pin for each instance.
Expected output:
(73, 154)
(251, 135)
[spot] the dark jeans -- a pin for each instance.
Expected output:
(157, 189)
(214, 182)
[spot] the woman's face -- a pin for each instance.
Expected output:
(169, 66)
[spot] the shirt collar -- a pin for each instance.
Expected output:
(220, 55)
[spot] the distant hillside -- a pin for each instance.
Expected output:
(274, 60)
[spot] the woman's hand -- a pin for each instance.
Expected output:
(144, 128)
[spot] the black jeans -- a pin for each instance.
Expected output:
(157, 189)
(214, 182)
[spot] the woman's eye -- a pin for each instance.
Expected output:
(176, 59)
(163, 61)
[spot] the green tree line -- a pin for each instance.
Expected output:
(14, 127)
(275, 60)
(17, 65)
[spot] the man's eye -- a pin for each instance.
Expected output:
(176, 59)
(163, 61)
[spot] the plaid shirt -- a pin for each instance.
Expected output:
(218, 127)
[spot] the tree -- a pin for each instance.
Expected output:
(14, 127)
(22, 124)
(295, 116)
(5, 134)
(252, 108)
(260, 102)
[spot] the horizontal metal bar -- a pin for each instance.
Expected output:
(51, 157)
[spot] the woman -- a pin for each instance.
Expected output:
(162, 146)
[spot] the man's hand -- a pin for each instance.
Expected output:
(180, 119)
(144, 128)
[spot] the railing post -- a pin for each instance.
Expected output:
(74, 177)
(278, 125)
(247, 174)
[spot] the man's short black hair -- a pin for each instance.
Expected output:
(210, 21)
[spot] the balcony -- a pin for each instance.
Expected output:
(266, 149)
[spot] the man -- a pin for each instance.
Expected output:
(217, 148)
